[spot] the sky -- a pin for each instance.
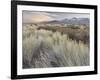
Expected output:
(36, 16)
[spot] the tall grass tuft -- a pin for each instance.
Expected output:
(44, 48)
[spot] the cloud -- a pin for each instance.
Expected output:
(36, 16)
(29, 17)
(63, 15)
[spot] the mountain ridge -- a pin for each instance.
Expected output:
(69, 21)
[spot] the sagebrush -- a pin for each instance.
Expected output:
(44, 48)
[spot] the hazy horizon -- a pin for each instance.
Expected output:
(37, 16)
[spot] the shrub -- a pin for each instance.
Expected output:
(43, 48)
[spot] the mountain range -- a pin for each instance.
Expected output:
(70, 21)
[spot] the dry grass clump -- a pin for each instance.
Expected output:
(78, 33)
(44, 48)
